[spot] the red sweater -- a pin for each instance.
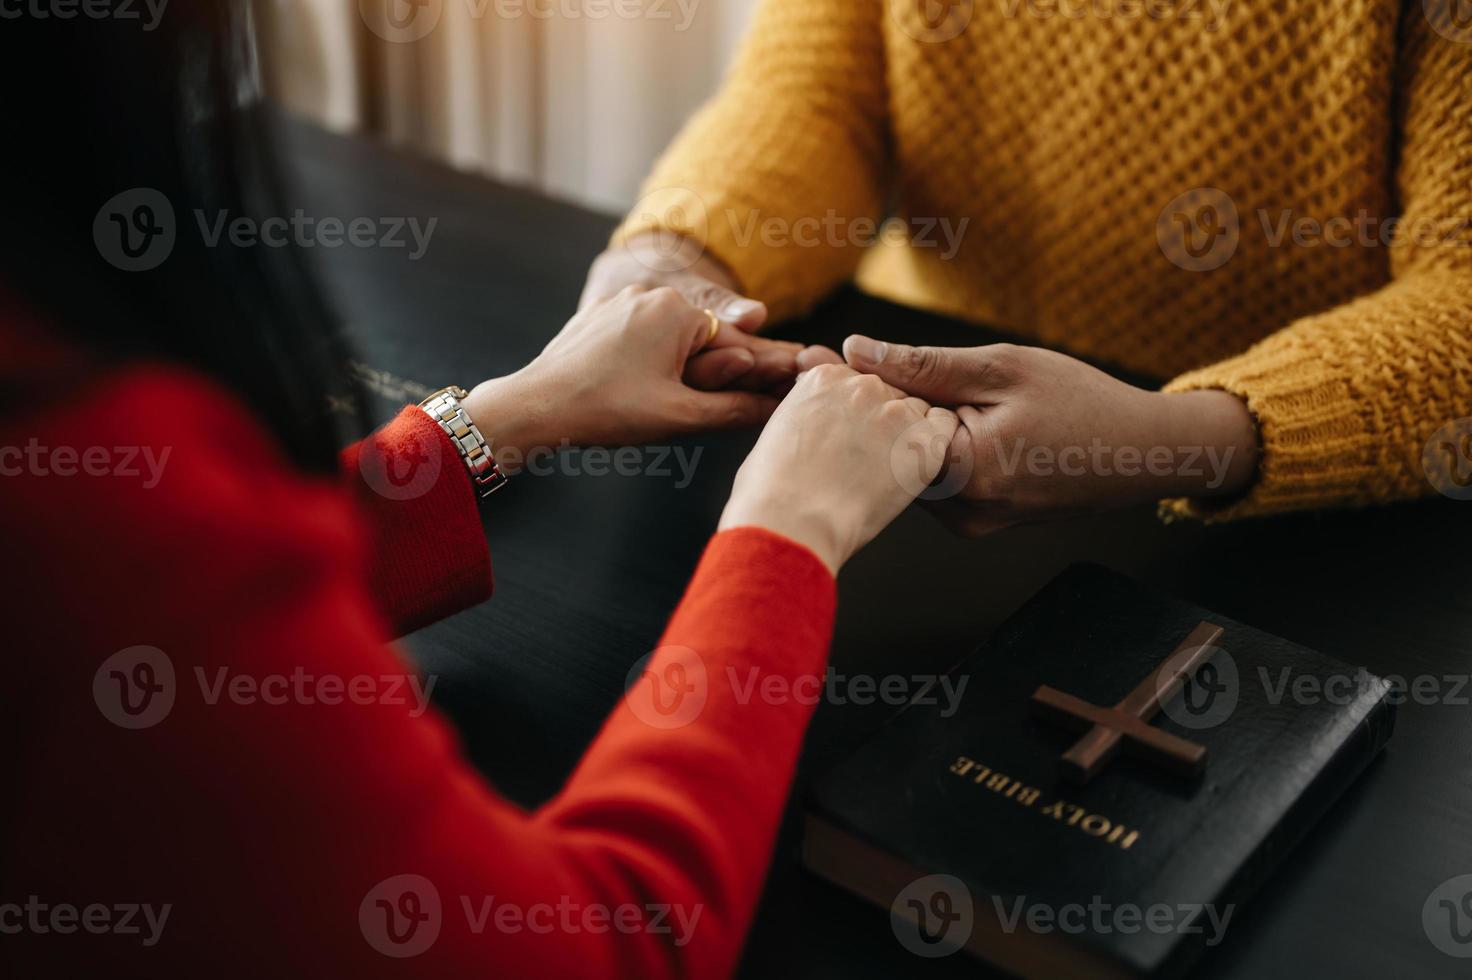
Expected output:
(284, 806)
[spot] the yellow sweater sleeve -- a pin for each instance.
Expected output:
(1346, 400)
(772, 174)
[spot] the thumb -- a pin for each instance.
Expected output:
(936, 374)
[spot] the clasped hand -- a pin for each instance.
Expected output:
(1044, 436)
(988, 436)
(620, 372)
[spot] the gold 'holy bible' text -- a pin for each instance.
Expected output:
(1071, 814)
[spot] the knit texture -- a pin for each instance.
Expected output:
(1192, 188)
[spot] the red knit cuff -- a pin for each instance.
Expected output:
(430, 557)
(752, 581)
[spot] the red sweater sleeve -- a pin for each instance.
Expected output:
(429, 558)
(292, 805)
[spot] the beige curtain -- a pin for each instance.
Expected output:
(574, 97)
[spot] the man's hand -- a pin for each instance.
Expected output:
(736, 359)
(613, 376)
(1044, 436)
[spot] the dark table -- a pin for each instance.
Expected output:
(588, 568)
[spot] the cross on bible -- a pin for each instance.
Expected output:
(1128, 722)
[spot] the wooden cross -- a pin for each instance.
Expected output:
(1129, 721)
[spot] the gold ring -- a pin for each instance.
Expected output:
(715, 327)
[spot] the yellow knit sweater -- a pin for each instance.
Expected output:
(1198, 186)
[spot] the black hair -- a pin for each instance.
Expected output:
(118, 133)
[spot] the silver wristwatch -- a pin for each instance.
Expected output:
(444, 407)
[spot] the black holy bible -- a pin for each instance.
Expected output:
(1119, 773)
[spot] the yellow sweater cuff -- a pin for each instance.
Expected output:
(1317, 446)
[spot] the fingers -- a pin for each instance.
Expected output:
(943, 375)
(740, 312)
(961, 459)
(944, 422)
(725, 335)
(645, 261)
(928, 372)
(771, 366)
(771, 363)
(950, 440)
(729, 336)
(665, 312)
(925, 444)
(775, 370)
(729, 410)
(713, 370)
(919, 406)
(735, 358)
(766, 371)
(814, 356)
(732, 358)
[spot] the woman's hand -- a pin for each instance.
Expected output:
(613, 376)
(667, 259)
(1044, 435)
(823, 472)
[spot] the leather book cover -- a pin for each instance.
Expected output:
(964, 820)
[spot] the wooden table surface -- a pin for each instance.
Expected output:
(588, 568)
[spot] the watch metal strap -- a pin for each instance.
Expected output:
(444, 407)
